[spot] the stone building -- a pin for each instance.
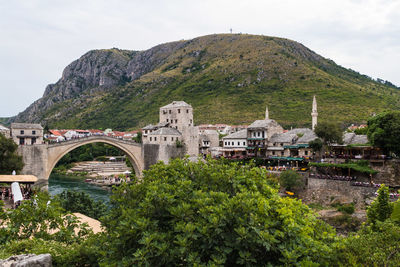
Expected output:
(293, 143)
(27, 133)
(179, 116)
(234, 145)
(164, 136)
(258, 134)
(5, 131)
(207, 140)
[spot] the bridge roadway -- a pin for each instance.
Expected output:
(40, 159)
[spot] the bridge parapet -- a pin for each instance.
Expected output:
(94, 137)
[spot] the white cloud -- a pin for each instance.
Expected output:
(40, 37)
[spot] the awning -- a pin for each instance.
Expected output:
(275, 148)
(18, 178)
(287, 158)
(297, 146)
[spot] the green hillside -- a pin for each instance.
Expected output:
(229, 78)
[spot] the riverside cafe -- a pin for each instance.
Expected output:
(285, 163)
(15, 188)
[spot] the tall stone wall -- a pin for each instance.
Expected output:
(327, 191)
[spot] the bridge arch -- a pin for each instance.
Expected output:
(131, 149)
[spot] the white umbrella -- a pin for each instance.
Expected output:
(112, 158)
(127, 172)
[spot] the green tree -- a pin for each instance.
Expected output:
(81, 202)
(329, 132)
(316, 145)
(381, 208)
(371, 246)
(211, 213)
(138, 138)
(41, 218)
(9, 159)
(42, 226)
(384, 130)
(290, 179)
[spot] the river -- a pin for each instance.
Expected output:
(58, 183)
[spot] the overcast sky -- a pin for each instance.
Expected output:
(39, 38)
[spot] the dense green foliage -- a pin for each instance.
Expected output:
(9, 159)
(378, 246)
(81, 202)
(212, 214)
(229, 78)
(290, 179)
(381, 208)
(42, 226)
(138, 138)
(377, 243)
(384, 131)
(329, 133)
(39, 218)
(316, 145)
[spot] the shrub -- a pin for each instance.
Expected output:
(290, 179)
(210, 213)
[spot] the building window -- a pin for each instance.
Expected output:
(145, 131)
(167, 120)
(258, 134)
(273, 152)
(22, 132)
(176, 121)
(179, 111)
(187, 111)
(165, 138)
(306, 152)
(172, 139)
(164, 112)
(33, 141)
(281, 144)
(151, 139)
(155, 138)
(282, 153)
(225, 143)
(169, 111)
(33, 132)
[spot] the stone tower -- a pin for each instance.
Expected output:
(179, 115)
(314, 114)
(266, 113)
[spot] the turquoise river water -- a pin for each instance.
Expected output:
(58, 183)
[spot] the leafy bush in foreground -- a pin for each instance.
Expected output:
(210, 213)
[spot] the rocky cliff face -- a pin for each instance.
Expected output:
(97, 70)
(228, 78)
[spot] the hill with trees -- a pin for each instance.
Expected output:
(227, 78)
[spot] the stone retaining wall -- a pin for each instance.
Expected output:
(327, 192)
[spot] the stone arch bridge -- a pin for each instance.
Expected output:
(40, 159)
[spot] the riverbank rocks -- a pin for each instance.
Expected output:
(27, 260)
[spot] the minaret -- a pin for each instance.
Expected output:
(266, 113)
(314, 113)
